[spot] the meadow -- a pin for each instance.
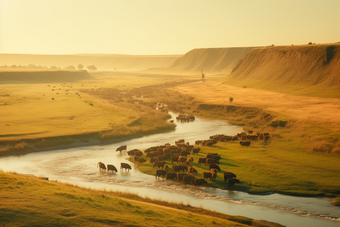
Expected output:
(31, 201)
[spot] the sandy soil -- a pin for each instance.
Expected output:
(300, 107)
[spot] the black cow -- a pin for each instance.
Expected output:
(160, 172)
(232, 181)
(207, 175)
(111, 168)
(101, 166)
(212, 160)
(125, 166)
(214, 166)
(245, 143)
(228, 175)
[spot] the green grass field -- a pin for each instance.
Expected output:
(274, 166)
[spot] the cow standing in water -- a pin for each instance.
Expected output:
(125, 166)
(101, 166)
(121, 148)
(111, 168)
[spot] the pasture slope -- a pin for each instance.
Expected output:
(209, 60)
(101, 61)
(302, 70)
(37, 77)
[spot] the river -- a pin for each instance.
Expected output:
(78, 166)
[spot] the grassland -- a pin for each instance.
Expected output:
(42, 116)
(30, 201)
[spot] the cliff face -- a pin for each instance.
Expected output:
(308, 65)
(210, 60)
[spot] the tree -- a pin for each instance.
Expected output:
(70, 67)
(80, 66)
(231, 99)
(92, 67)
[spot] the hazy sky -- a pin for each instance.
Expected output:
(162, 26)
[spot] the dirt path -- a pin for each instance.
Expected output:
(311, 108)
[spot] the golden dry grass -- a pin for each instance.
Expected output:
(313, 109)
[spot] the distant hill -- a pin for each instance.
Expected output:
(306, 66)
(210, 60)
(52, 76)
(101, 61)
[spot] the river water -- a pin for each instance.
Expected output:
(79, 166)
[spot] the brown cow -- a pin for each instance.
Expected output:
(158, 164)
(180, 176)
(187, 179)
(171, 176)
(198, 182)
(101, 166)
(192, 170)
(178, 168)
(111, 168)
(121, 148)
(125, 166)
(212, 160)
(202, 160)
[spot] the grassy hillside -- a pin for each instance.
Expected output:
(311, 70)
(42, 76)
(210, 60)
(101, 61)
(29, 201)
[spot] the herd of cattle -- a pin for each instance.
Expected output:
(181, 165)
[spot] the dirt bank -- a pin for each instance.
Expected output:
(309, 67)
(209, 60)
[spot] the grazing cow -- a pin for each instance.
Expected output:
(198, 142)
(245, 143)
(228, 175)
(196, 150)
(232, 181)
(210, 155)
(111, 168)
(171, 176)
(162, 158)
(152, 160)
(158, 164)
(198, 182)
(125, 166)
(187, 179)
(192, 170)
(189, 160)
(101, 166)
(121, 148)
(174, 159)
(202, 160)
(160, 172)
(185, 153)
(182, 159)
(207, 175)
(166, 167)
(217, 157)
(141, 160)
(178, 168)
(180, 176)
(213, 173)
(132, 152)
(138, 153)
(214, 166)
(212, 160)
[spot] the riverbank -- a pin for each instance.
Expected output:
(96, 208)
